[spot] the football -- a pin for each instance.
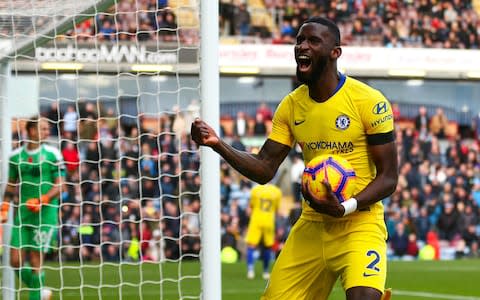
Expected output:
(336, 170)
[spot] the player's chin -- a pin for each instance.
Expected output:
(304, 75)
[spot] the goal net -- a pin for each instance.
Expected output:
(119, 83)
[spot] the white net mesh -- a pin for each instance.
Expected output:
(119, 87)
(27, 23)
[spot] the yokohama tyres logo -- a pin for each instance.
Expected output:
(105, 54)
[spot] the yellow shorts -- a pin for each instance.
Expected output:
(256, 232)
(317, 253)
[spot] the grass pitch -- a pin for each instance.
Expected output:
(456, 280)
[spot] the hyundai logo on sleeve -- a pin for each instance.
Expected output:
(380, 108)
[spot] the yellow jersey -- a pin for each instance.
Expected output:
(354, 117)
(264, 202)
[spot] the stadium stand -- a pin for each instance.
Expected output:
(431, 24)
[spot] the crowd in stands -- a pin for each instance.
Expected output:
(437, 199)
(391, 24)
(130, 193)
(134, 21)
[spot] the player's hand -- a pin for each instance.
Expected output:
(203, 134)
(330, 205)
(33, 205)
(44, 199)
(3, 217)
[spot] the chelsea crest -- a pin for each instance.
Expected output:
(342, 122)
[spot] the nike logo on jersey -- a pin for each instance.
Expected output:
(368, 275)
(299, 122)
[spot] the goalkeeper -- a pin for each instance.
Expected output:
(37, 170)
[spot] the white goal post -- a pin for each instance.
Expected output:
(8, 282)
(136, 91)
(210, 87)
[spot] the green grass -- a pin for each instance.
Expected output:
(456, 280)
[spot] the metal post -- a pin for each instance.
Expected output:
(210, 161)
(8, 277)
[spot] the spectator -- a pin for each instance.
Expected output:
(107, 32)
(399, 241)
(70, 156)
(265, 111)
(70, 120)
(286, 29)
(53, 117)
(448, 222)
(422, 121)
(471, 240)
(412, 246)
(422, 224)
(296, 172)
(242, 20)
(240, 127)
(467, 216)
(439, 123)
(145, 237)
(226, 17)
(259, 127)
(358, 30)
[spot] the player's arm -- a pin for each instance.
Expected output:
(8, 197)
(57, 172)
(54, 192)
(259, 167)
(385, 182)
(383, 152)
(10, 190)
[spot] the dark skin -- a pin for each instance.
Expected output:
(316, 53)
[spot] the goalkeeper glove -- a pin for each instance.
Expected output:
(34, 204)
(4, 211)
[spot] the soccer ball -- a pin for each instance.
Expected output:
(336, 170)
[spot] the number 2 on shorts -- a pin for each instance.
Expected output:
(375, 261)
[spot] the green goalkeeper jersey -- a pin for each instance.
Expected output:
(36, 172)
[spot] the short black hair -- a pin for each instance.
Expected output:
(332, 27)
(32, 123)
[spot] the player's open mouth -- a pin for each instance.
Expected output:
(304, 62)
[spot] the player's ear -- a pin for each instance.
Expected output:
(335, 53)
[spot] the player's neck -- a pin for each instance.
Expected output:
(31, 146)
(325, 87)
